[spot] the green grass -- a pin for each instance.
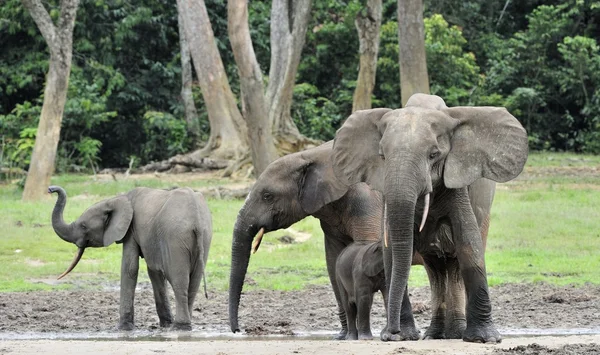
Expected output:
(545, 227)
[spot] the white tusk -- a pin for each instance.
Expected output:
(385, 233)
(257, 240)
(425, 212)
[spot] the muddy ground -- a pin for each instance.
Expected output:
(524, 309)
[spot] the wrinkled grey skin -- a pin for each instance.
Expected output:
(292, 188)
(427, 148)
(170, 229)
(359, 272)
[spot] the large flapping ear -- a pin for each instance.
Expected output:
(372, 260)
(356, 153)
(488, 142)
(120, 214)
(433, 102)
(318, 184)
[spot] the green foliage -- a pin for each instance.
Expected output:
(166, 134)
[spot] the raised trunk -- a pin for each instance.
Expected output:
(368, 23)
(240, 257)
(401, 214)
(411, 40)
(252, 90)
(63, 230)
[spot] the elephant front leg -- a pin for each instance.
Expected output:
(456, 321)
(470, 253)
(437, 274)
(333, 248)
(163, 309)
(129, 274)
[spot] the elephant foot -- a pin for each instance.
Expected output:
(165, 323)
(341, 335)
(351, 336)
(482, 333)
(434, 332)
(365, 336)
(405, 333)
(182, 326)
(127, 326)
(455, 328)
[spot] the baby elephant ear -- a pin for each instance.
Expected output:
(372, 261)
(488, 142)
(356, 155)
(120, 214)
(432, 102)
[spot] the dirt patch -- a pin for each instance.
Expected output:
(537, 349)
(522, 306)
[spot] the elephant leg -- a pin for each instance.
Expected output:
(129, 274)
(333, 248)
(364, 302)
(456, 321)
(180, 284)
(470, 253)
(159, 287)
(195, 279)
(408, 329)
(351, 314)
(437, 273)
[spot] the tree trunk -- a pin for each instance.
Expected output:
(252, 90)
(227, 127)
(368, 23)
(60, 44)
(191, 115)
(411, 39)
(289, 21)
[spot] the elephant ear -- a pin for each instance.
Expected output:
(488, 142)
(318, 185)
(119, 216)
(432, 102)
(356, 154)
(372, 260)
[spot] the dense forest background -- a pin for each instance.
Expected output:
(540, 59)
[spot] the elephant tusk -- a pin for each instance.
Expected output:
(425, 212)
(73, 264)
(385, 233)
(257, 240)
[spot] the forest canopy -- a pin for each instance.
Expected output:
(539, 59)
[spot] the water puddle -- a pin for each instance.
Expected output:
(145, 335)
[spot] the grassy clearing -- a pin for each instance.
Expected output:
(545, 227)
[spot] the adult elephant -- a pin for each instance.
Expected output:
(292, 188)
(423, 158)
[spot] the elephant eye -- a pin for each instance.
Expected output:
(83, 226)
(434, 154)
(267, 196)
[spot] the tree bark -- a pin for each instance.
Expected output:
(191, 114)
(289, 21)
(227, 127)
(252, 89)
(411, 39)
(60, 43)
(368, 23)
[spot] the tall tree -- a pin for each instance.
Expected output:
(289, 21)
(228, 131)
(411, 39)
(59, 39)
(252, 89)
(368, 23)
(191, 114)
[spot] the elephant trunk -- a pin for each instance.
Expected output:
(240, 257)
(62, 229)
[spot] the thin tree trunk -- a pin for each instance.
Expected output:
(60, 43)
(411, 39)
(289, 21)
(191, 115)
(368, 23)
(227, 127)
(252, 89)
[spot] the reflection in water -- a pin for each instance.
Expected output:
(145, 335)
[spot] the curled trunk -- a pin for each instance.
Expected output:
(63, 230)
(240, 257)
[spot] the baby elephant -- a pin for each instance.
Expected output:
(171, 229)
(359, 270)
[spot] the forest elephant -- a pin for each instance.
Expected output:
(170, 229)
(359, 272)
(292, 188)
(425, 158)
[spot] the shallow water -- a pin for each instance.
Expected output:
(144, 335)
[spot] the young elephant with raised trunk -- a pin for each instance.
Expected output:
(171, 229)
(360, 273)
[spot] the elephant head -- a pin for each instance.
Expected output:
(410, 152)
(100, 225)
(290, 189)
